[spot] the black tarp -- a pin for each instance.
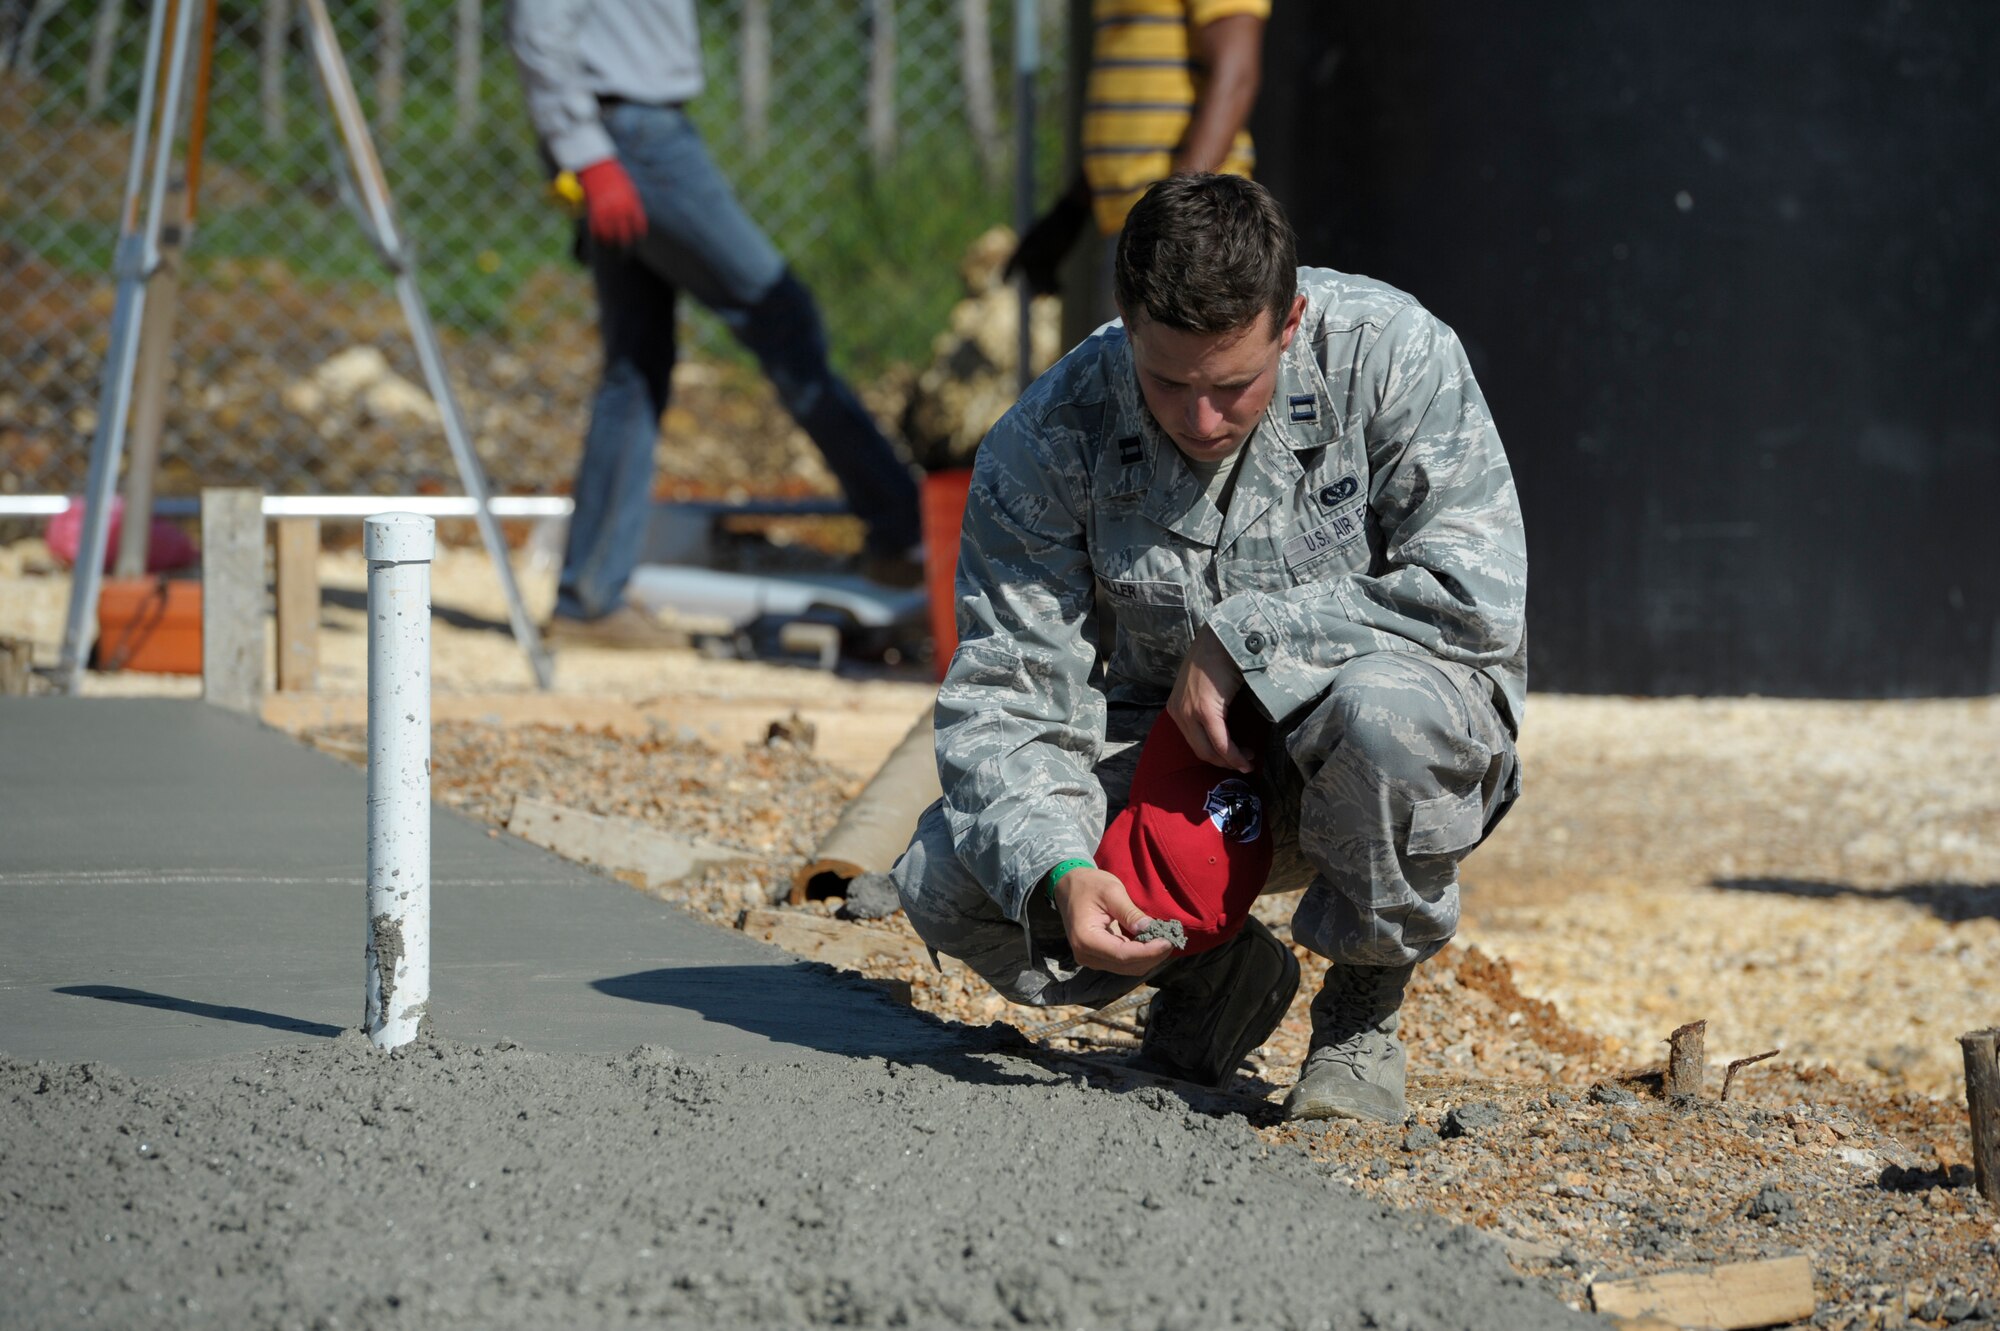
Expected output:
(1728, 277)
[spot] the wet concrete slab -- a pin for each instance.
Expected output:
(179, 883)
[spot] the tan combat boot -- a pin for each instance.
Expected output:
(1215, 1007)
(1356, 1066)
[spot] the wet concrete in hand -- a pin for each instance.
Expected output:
(1172, 930)
(450, 1184)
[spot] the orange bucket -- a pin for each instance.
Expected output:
(943, 502)
(150, 624)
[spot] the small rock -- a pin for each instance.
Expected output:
(1420, 1138)
(1172, 930)
(1612, 1095)
(1574, 1144)
(871, 896)
(1772, 1206)
(1465, 1120)
(1619, 1132)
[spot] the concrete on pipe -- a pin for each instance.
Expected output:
(398, 547)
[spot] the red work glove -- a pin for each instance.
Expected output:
(611, 204)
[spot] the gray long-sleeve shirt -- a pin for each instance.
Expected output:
(1374, 512)
(571, 52)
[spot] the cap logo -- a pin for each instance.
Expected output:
(1235, 810)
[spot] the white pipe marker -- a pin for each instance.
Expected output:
(399, 547)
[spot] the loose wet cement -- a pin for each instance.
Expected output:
(184, 898)
(459, 1185)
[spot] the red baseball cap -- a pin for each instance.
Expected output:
(1193, 843)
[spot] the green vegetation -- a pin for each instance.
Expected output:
(880, 250)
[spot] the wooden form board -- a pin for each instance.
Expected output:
(614, 844)
(1735, 1295)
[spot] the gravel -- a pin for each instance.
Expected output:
(1819, 877)
(451, 1185)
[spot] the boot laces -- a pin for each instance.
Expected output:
(1353, 1005)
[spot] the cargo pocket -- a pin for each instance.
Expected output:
(1447, 824)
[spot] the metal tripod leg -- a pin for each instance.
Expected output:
(137, 260)
(366, 168)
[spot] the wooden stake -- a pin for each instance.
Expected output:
(232, 598)
(1982, 1103)
(16, 665)
(298, 605)
(1686, 1057)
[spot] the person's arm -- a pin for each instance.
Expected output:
(1230, 51)
(1441, 492)
(561, 104)
(1019, 726)
(564, 111)
(1050, 238)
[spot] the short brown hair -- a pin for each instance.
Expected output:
(1206, 253)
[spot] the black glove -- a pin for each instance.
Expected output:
(1041, 251)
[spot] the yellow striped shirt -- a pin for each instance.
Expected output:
(1141, 94)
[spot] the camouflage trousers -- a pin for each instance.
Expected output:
(1375, 795)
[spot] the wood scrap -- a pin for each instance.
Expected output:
(1982, 1103)
(836, 942)
(1686, 1060)
(1770, 1292)
(615, 844)
(1729, 1074)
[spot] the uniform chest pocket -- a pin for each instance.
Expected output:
(1154, 625)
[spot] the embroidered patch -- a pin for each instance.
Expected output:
(1305, 406)
(1337, 532)
(1131, 452)
(1235, 810)
(1343, 488)
(1147, 593)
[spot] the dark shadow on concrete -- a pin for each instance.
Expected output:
(1950, 902)
(112, 993)
(791, 1004)
(349, 599)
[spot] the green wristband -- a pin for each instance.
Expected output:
(1055, 875)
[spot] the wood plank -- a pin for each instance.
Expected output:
(1734, 1295)
(840, 943)
(615, 844)
(232, 598)
(298, 604)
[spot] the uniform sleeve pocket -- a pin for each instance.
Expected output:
(1446, 824)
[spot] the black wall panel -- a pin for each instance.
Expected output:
(1728, 276)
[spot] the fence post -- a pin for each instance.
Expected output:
(398, 547)
(232, 598)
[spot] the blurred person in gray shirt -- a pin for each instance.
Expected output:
(607, 82)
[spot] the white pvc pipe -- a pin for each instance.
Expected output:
(398, 547)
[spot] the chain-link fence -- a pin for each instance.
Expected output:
(872, 139)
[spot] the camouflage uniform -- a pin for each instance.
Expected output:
(1369, 579)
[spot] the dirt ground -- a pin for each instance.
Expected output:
(1818, 878)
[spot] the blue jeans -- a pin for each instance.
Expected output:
(698, 238)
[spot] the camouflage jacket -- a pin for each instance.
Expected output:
(1373, 511)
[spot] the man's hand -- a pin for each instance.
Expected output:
(1101, 922)
(1049, 239)
(611, 203)
(1200, 701)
